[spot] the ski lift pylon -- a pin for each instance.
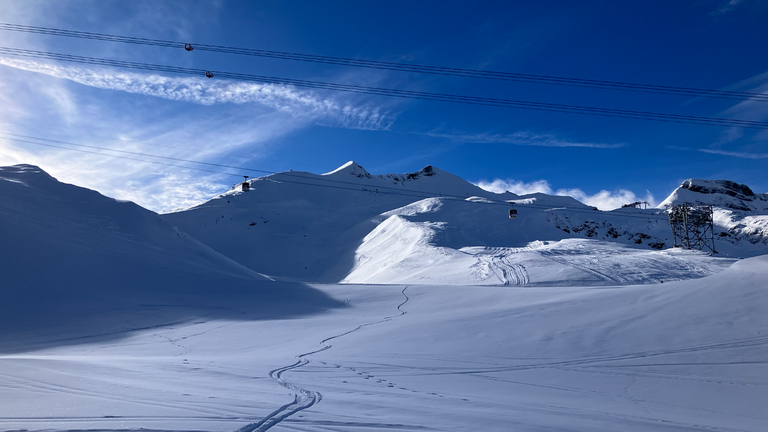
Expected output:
(188, 47)
(209, 74)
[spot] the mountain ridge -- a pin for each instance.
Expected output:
(326, 223)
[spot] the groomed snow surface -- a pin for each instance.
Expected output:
(111, 318)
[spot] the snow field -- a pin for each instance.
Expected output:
(688, 355)
(112, 319)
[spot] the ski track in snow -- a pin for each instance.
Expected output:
(305, 398)
(508, 273)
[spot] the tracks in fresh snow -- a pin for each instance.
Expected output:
(507, 272)
(305, 398)
(510, 274)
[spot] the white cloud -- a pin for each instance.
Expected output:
(754, 110)
(730, 134)
(516, 186)
(206, 91)
(239, 131)
(521, 138)
(607, 200)
(743, 155)
(218, 121)
(604, 200)
(41, 106)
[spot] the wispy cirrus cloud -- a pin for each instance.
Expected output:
(726, 7)
(203, 91)
(193, 118)
(604, 200)
(524, 138)
(743, 155)
(39, 105)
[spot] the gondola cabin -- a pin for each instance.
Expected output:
(513, 213)
(245, 185)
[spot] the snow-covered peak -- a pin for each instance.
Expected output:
(719, 193)
(350, 168)
(22, 173)
(726, 187)
(354, 169)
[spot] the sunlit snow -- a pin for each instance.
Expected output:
(295, 307)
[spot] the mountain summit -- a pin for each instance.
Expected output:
(350, 168)
(719, 193)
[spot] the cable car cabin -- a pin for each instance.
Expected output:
(209, 74)
(188, 47)
(246, 186)
(513, 213)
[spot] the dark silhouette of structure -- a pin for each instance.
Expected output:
(637, 204)
(692, 226)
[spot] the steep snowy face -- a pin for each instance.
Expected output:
(719, 193)
(59, 239)
(46, 211)
(726, 187)
(69, 255)
(350, 168)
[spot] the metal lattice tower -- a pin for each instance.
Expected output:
(692, 226)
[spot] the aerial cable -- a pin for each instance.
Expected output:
(406, 94)
(402, 67)
(383, 190)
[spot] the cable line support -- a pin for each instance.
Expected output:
(692, 226)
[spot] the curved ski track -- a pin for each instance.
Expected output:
(304, 398)
(497, 260)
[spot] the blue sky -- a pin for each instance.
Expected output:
(716, 44)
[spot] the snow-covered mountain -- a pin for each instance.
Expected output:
(70, 253)
(433, 227)
(740, 215)
(113, 319)
(719, 193)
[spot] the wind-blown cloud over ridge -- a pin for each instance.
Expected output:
(204, 91)
(604, 200)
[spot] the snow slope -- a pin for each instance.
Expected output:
(431, 227)
(76, 252)
(280, 225)
(113, 320)
(682, 356)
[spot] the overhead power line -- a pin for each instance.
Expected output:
(293, 177)
(406, 94)
(402, 67)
